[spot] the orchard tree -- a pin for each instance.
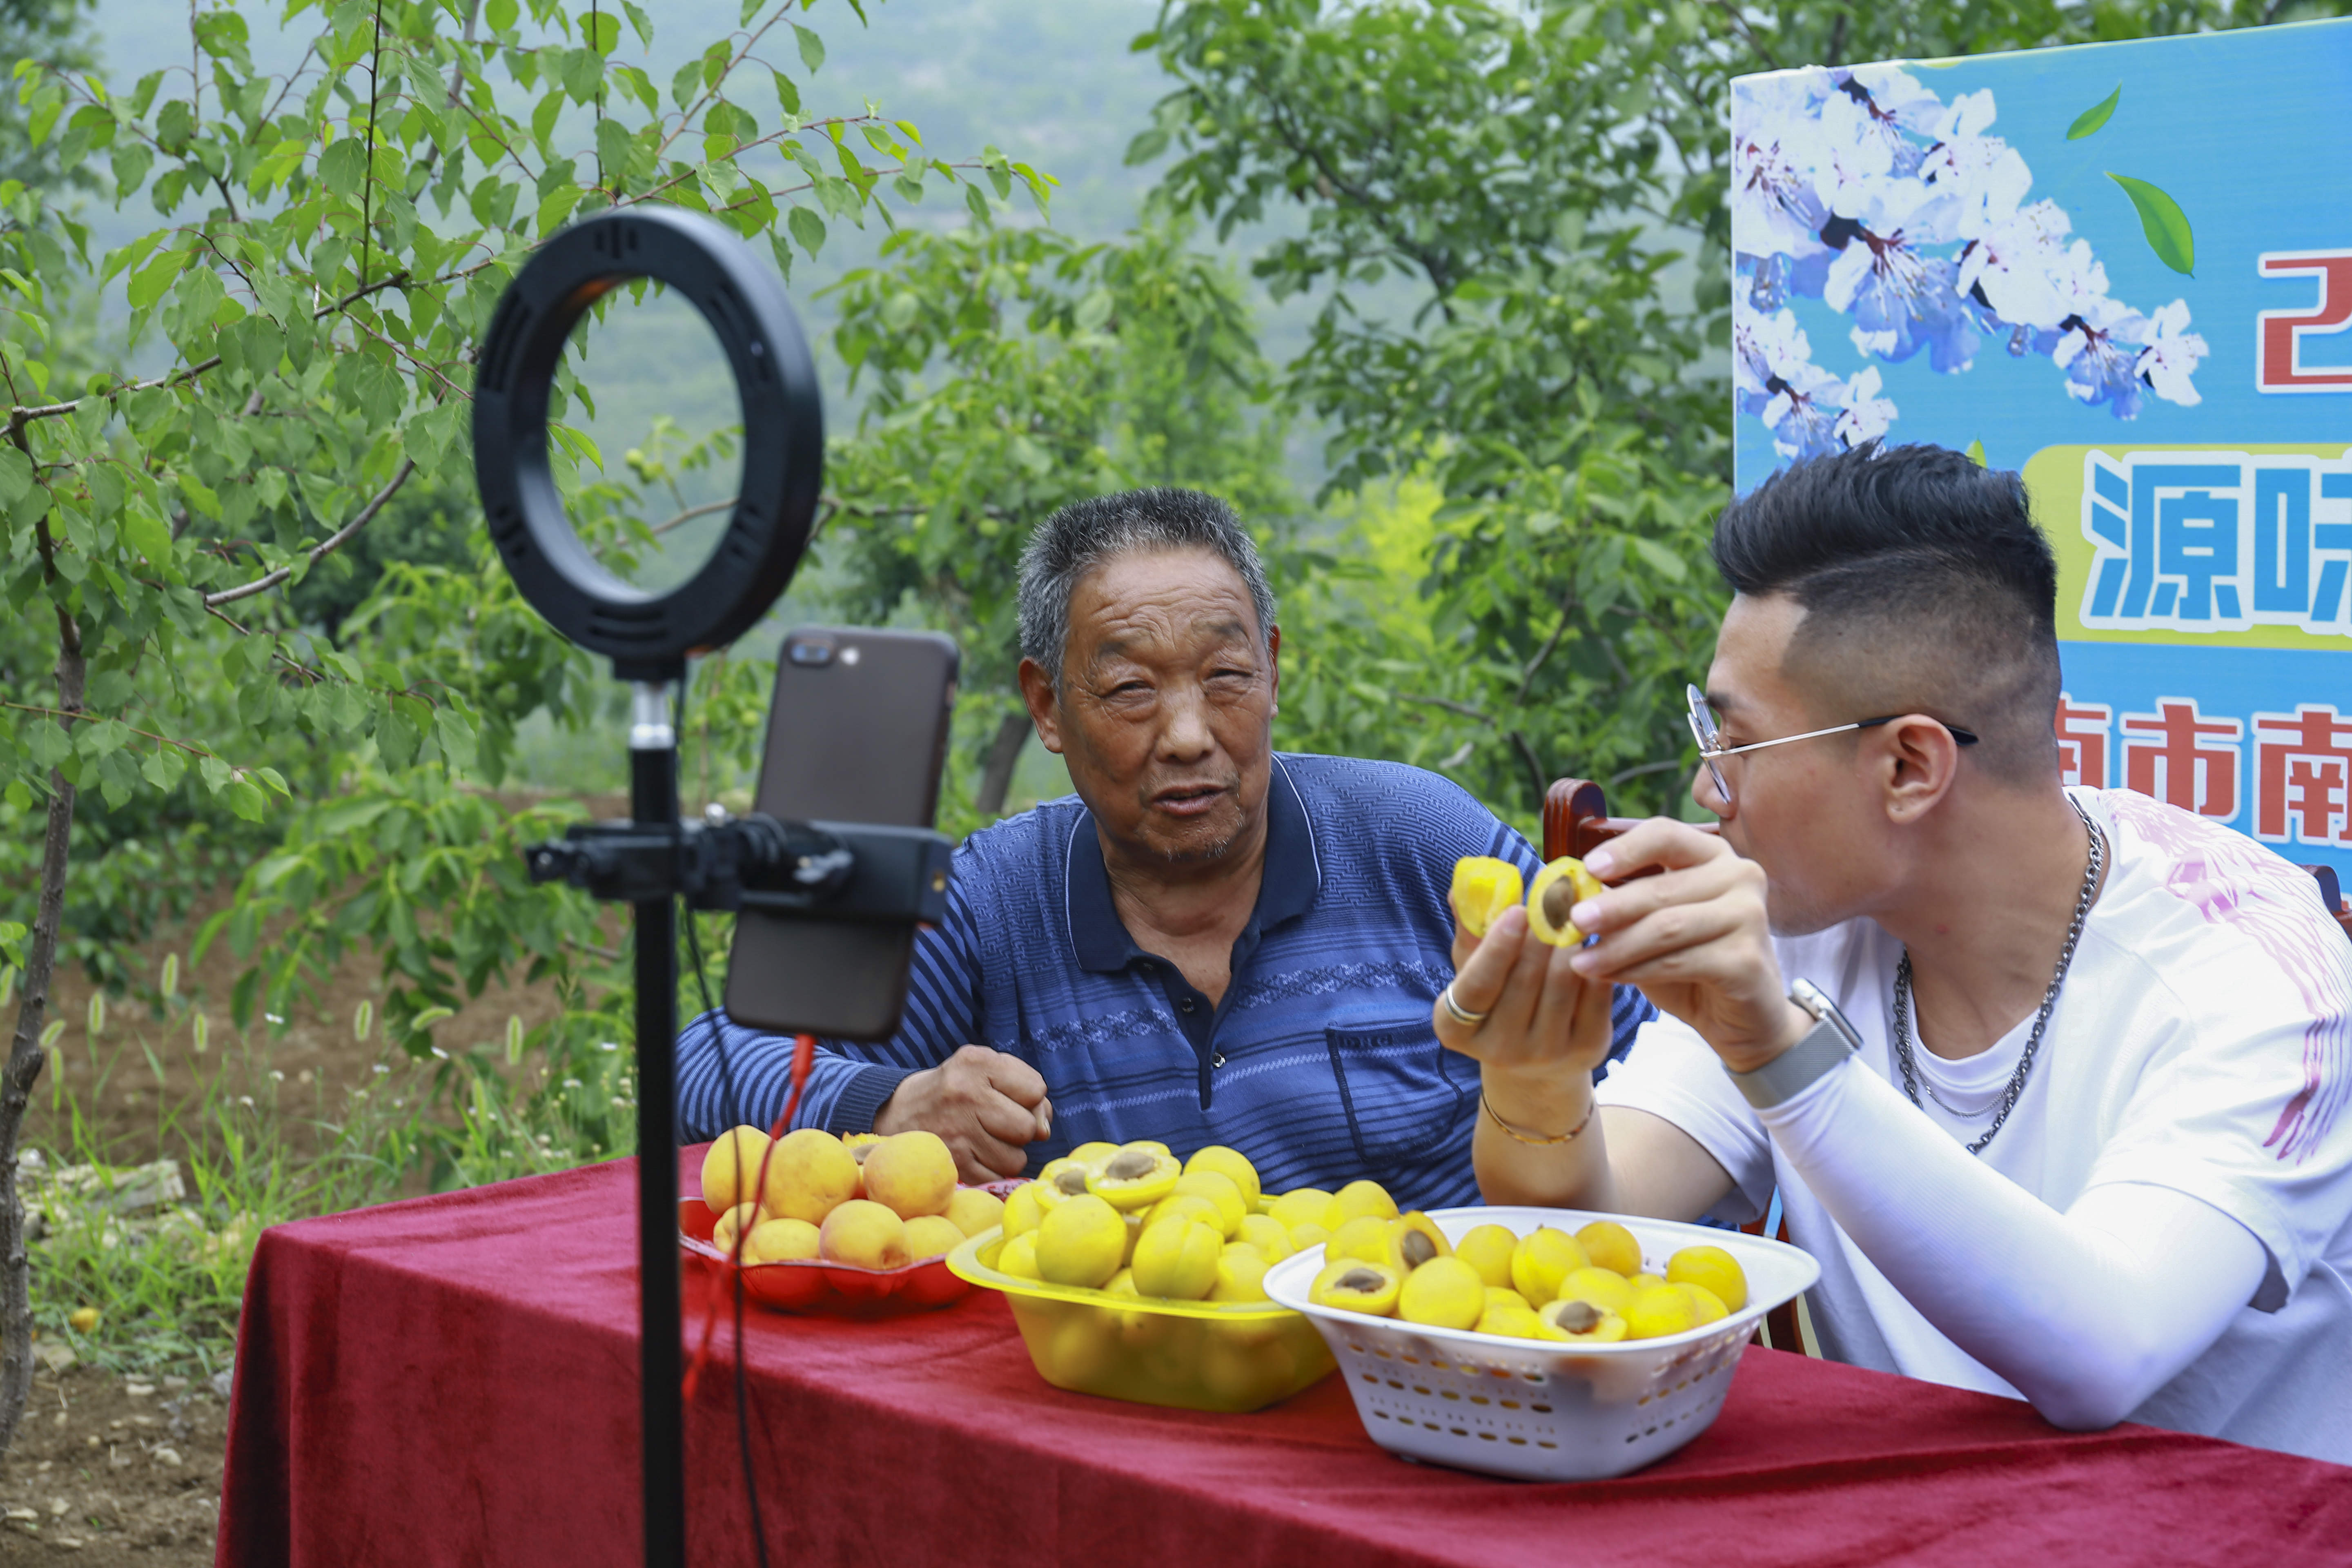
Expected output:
(1007, 373)
(330, 245)
(1544, 185)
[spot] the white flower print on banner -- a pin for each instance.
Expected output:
(1864, 190)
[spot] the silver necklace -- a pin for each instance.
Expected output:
(1911, 1083)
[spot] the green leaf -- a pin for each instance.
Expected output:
(165, 768)
(343, 167)
(808, 228)
(642, 23)
(455, 738)
(1977, 455)
(15, 475)
(147, 533)
(245, 799)
(503, 15)
(2098, 114)
(1663, 560)
(811, 48)
(788, 93)
(147, 285)
(601, 30)
(2165, 225)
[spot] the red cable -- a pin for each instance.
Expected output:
(804, 1058)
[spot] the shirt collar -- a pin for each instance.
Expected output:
(1293, 876)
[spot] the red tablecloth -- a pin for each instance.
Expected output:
(454, 1380)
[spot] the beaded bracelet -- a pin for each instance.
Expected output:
(1518, 1137)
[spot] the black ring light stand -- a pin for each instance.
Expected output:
(649, 638)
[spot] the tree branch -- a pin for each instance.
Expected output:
(327, 547)
(690, 514)
(26, 1056)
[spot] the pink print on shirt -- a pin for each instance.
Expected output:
(2232, 882)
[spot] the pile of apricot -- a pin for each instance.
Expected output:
(1589, 1288)
(860, 1200)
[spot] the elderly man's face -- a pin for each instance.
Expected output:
(1165, 710)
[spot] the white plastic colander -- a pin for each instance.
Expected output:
(1539, 1411)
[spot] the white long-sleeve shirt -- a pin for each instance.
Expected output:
(2162, 1230)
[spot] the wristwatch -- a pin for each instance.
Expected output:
(1829, 1042)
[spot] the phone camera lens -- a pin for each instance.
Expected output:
(811, 654)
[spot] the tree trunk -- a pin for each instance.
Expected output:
(26, 1058)
(1004, 753)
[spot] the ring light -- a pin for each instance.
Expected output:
(648, 637)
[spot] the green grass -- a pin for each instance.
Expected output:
(166, 1284)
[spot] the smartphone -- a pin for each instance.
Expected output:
(857, 733)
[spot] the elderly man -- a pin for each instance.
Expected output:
(2050, 1081)
(1212, 942)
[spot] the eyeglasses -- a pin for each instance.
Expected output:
(1711, 746)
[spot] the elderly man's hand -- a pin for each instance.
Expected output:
(1542, 1018)
(986, 1105)
(1695, 938)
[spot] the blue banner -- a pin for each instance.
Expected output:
(2126, 270)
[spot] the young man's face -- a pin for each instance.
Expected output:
(1810, 813)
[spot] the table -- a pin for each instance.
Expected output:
(453, 1380)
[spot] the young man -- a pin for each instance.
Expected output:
(1208, 942)
(2051, 1081)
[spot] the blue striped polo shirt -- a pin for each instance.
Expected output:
(1319, 1064)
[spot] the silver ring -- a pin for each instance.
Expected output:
(1461, 1013)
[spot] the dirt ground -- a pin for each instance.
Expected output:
(107, 1472)
(143, 1064)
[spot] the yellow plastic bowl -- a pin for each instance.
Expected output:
(1229, 1357)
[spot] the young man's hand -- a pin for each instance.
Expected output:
(1694, 936)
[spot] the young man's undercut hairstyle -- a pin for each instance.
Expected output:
(1088, 534)
(1926, 589)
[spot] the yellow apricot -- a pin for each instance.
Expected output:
(1303, 1236)
(1018, 1257)
(810, 1174)
(1364, 1197)
(974, 1209)
(731, 1169)
(1271, 1240)
(1662, 1309)
(932, 1236)
(1022, 1212)
(1557, 889)
(1080, 1242)
(780, 1241)
(1713, 1268)
(1511, 1321)
(1600, 1287)
(1544, 1258)
(1483, 888)
(1610, 1246)
(1219, 1189)
(1581, 1323)
(1444, 1293)
(1232, 1165)
(1355, 1286)
(731, 1224)
(1241, 1275)
(1300, 1206)
(1488, 1248)
(1176, 1258)
(864, 1234)
(911, 1173)
(1705, 1305)
(1365, 1236)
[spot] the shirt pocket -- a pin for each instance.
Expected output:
(1402, 1093)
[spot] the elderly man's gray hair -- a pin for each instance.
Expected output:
(1089, 533)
